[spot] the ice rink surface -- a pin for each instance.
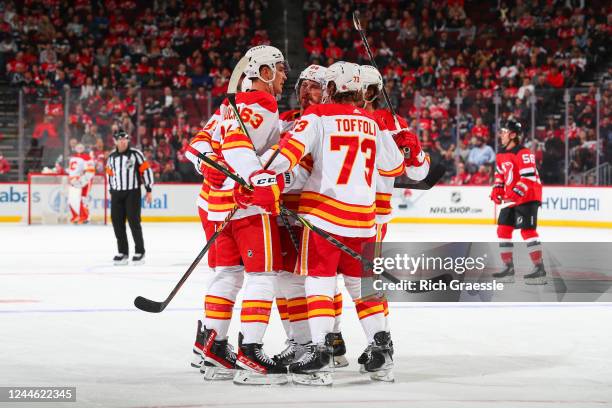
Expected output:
(67, 319)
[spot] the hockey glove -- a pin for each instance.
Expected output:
(267, 187)
(243, 197)
(497, 193)
(410, 146)
(214, 177)
(517, 192)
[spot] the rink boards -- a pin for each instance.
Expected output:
(561, 206)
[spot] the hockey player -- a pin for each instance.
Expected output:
(347, 147)
(203, 143)
(417, 164)
(517, 183)
(250, 241)
(80, 176)
(291, 297)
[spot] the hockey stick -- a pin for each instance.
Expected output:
(325, 235)
(153, 306)
(433, 177)
(435, 174)
(364, 40)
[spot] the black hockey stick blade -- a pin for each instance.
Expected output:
(148, 305)
(428, 182)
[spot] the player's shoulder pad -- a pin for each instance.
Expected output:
(289, 115)
(263, 99)
(519, 149)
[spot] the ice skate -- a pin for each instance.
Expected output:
(505, 276)
(257, 367)
(339, 351)
(198, 345)
(316, 366)
(379, 361)
(537, 276)
(121, 259)
(138, 259)
(219, 359)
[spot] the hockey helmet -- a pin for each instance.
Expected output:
(315, 73)
(370, 76)
(263, 56)
(513, 126)
(120, 134)
(344, 75)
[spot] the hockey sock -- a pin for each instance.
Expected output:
(386, 313)
(534, 246)
(371, 311)
(337, 310)
(281, 305)
(256, 305)
(320, 301)
(504, 233)
(219, 301)
(292, 287)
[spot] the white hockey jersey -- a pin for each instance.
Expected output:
(259, 112)
(80, 169)
(203, 143)
(348, 148)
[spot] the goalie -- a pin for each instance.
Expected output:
(80, 176)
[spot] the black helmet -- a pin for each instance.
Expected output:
(513, 126)
(120, 134)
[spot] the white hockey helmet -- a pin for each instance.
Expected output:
(345, 75)
(261, 56)
(315, 73)
(370, 76)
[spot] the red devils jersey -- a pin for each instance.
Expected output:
(516, 171)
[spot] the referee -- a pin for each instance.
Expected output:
(127, 170)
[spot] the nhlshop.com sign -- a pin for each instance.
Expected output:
(443, 203)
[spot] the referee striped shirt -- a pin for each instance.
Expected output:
(128, 170)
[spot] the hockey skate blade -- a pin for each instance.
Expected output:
(217, 373)
(248, 377)
(197, 360)
(383, 375)
(505, 279)
(340, 361)
(314, 379)
(120, 263)
(536, 281)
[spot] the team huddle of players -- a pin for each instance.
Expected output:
(333, 162)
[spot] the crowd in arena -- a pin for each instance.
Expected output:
(446, 49)
(157, 70)
(147, 67)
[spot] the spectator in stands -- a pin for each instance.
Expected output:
(462, 177)
(482, 177)
(5, 168)
(169, 174)
(480, 153)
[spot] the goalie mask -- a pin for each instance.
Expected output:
(345, 76)
(315, 73)
(370, 76)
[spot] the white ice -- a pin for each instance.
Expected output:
(67, 319)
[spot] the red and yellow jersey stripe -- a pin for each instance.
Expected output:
(337, 212)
